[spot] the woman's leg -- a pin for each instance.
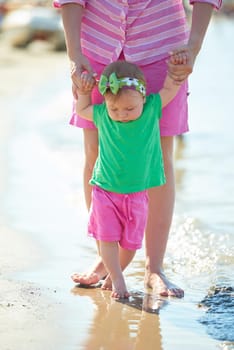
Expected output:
(91, 153)
(97, 271)
(161, 205)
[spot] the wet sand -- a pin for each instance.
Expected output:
(40, 308)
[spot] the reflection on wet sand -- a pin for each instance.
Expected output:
(117, 325)
(145, 302)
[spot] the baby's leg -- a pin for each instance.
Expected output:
(125, 257)
(110, 256)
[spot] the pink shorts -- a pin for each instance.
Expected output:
(174, 119)
(118, 217)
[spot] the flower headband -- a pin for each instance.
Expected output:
(114, 84)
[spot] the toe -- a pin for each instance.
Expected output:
(106, 287)
(176, 292)
(119, 296)
(75, 277)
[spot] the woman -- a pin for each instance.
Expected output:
(143, 32)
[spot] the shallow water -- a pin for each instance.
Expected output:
(43, 198)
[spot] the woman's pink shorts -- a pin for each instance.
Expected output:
(118, 217)
(174, 119)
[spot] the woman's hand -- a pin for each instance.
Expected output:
(179, 70)
(87, 83)
(77, 69)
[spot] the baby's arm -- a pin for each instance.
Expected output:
(171, 87)
(169, 90)
(84, 105)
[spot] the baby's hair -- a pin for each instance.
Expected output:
(123, 69)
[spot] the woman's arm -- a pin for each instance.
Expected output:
(72, 17)
(201, 16)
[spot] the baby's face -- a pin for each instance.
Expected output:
(126, 107)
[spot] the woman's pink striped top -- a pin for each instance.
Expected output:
(145, 30)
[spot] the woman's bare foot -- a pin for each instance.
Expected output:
(93, 276)
(88, 278)
(161, 285)
(119, 290)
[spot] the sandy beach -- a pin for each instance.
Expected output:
(28, 314)
(43, 233)
(28, 311)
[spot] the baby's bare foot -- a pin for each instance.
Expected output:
(107, 284)
(119, 289)
(161, 285)
(122, 295)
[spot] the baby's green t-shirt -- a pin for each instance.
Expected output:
(130, 156)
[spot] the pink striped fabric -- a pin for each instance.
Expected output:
(145, 30)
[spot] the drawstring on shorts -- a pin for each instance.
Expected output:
(127, 207)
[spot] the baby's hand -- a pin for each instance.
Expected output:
(88, 81)
(178, 58)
